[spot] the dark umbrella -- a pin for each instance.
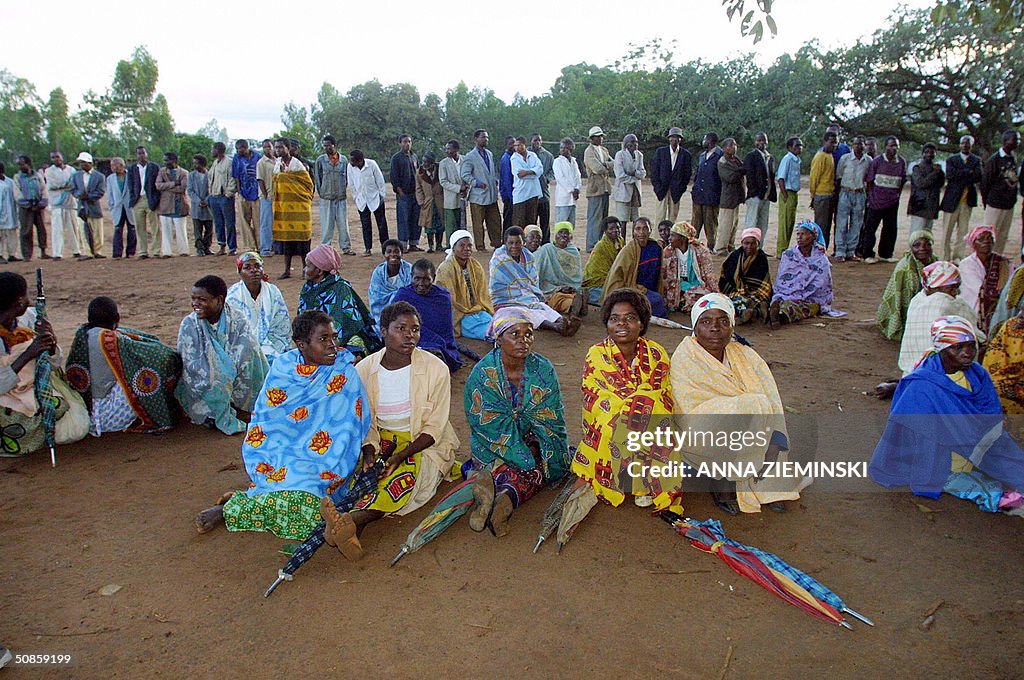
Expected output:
(44, 392)
(343, 498)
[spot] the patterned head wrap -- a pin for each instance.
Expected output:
(457, 236)
(245, 257)
(532, 228)
(751, 232)
(948, 331)
(562, 226)
(505, 318)
(712, 301)
(973, 234)
(819, 238)
(939, 274)
(684, 229)
(325, 257)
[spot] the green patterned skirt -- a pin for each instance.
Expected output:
(286, 514)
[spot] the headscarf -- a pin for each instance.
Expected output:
(939, 274)
(532, 228)
(505, 318)
(562, 226)
(250, 255)
(686, 230)
(457, 236)
(751, 232)
(951, 330)
(325, 257)
(712, 301)
(973, 234)
(919, 234)
(819, 238)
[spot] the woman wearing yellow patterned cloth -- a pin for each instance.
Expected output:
(304, 439)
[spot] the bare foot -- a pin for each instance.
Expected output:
(885, 390)
(340, 531)
(209, 519)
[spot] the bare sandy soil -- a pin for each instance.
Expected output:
(625, 598)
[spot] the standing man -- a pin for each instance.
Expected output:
(331, 174)
(885, 178)
(526, 171)
(963, 172)
(368, 191)
(841, 150)
(999, 186)
(730, 172)
(243, 169)
(871, 147)
(628, 167)
(926, 182)
(507, 183)
(9, 229)
(850, 215)
(404, 165)
(450, 177)
(600, 166)
(199, 197)
(119, 199)
(568, 182)
(759, 170)
(172, 182)
(547, 159)
(88, 187)
(223, 187)
(62, 206)
(145, 198)
(670, 174)
(30, 193)
(707, 189)
(480, 173)
(265, 182)
(788, 178)
(823, 184)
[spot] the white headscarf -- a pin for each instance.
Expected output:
(712, 301)
(457, 236)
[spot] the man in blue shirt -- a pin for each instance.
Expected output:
(506, 184)
(526, 170)
(403, 180)
(243, 169)
(788, 177)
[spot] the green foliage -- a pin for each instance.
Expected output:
(21, 119)
(187, 146)
(61, 134)
(753, 22)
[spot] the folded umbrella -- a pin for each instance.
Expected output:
(452, 506)
(577, 507)
(553, 515)
(43, 389)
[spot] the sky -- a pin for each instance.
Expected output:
(199, 46)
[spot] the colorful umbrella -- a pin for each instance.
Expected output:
(44, 393)
(553, 515)
(344, 498)
(769, 571)
(454, 505)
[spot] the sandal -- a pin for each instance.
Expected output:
(501, 514)
(483, 501)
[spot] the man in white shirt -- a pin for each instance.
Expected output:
(62, 206)
(368, 190)
(568, 182)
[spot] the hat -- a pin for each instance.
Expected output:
(596, 131)
(85, 156)
(709, 302)
(457, 236)
(675, 132)
(751, 232)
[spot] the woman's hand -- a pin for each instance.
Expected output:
(369, 456)
(395, 460)
(44, 341)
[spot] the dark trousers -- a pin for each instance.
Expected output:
(28, 218)
(407, 212)
(382, 225)
(506, 216)
(823, 212)
(544, 219)
(224, 220)
(887, 244)
(202, 231)
(525, 213)
(119, 245)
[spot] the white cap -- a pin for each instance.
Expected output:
(85, 156)
(596, 131)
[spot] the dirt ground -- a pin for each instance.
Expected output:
(625, 598)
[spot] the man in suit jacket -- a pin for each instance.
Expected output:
(963, 172)
(759, 169)
(88, 186)
(670, 173)
(144, 201)
(480, 173)
(121, 214)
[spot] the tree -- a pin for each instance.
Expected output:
(61, 135)
(21, 119)
(752, 22)
(188, 146)
(298, 125)
(212, 130)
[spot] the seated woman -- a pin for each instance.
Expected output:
(983, 274)
(638, 266)
(803, 283)
(560, 273)
(514, 283)
(304, 439)
(601, 259)
(686, 268)
(1010, 301)
(904, 284)
(21, 421)
(325, 290)
(533, 237)
(126, 377)
(388, 277)
(946, 419)
(626, 389)
(1004, 361)
(517, 428)
(434, 306)
(223, 364)
(263, 304)
(409, 393)
(723, 386)
(466, 280)
(746, 279)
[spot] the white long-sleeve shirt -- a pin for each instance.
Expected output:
(367, 185)
(567, 180)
